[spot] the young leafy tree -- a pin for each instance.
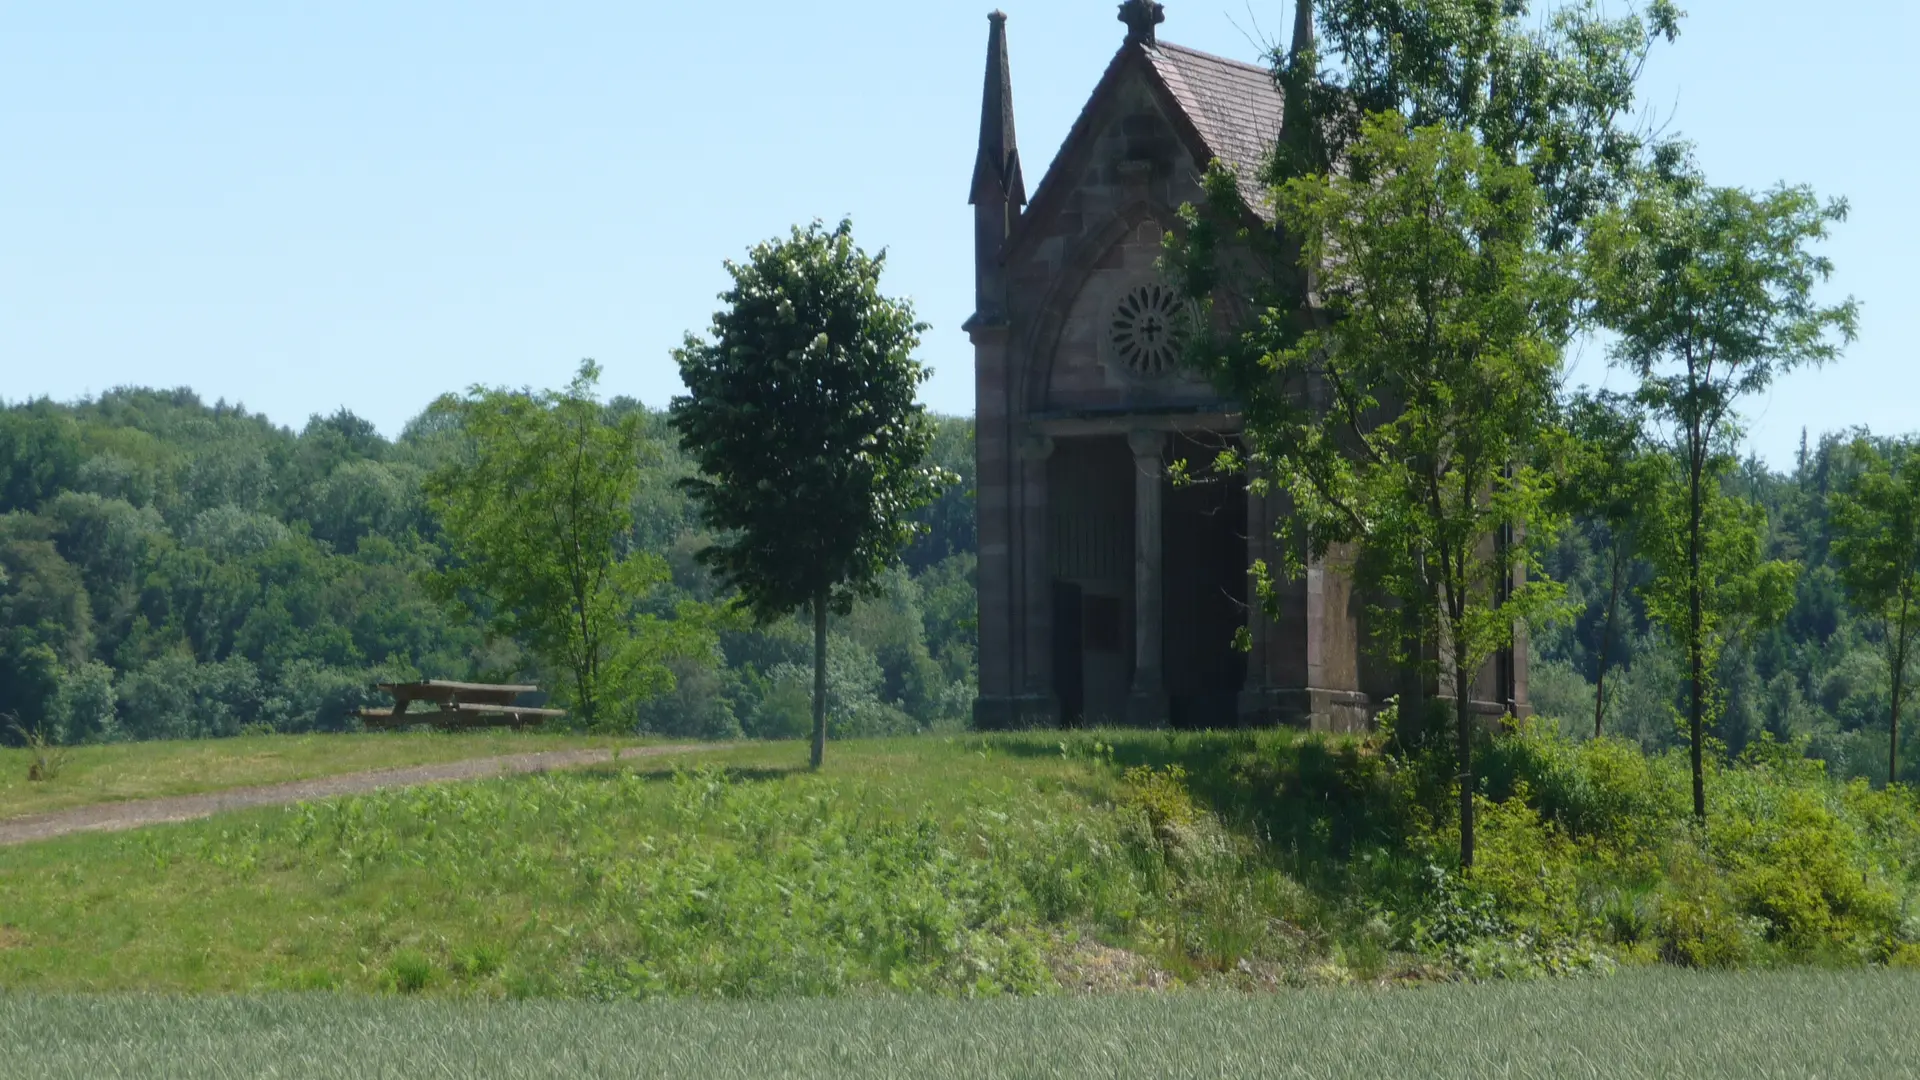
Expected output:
(1876, 546)
(812, 449)
(1549, 91)
(1711, 293)
(1607, 477)
(1418, 402)
(537, 512)
(1551, 95)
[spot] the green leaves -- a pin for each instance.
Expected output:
(812, 449)
(1415, 403)
(538, 511)
(1544, 92)
(1711, 291)
(802, 415)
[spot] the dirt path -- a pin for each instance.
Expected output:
(110, 817)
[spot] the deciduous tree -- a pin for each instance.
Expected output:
(1414, 407)
(812, 449)
(1876, 546)
(1711, 292)
(538, 513)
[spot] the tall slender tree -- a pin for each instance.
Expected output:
(1711, 291)
(812, 449)
(1876, 547)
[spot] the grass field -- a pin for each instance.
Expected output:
(978, 866)
(1642, 1025)
(122, 771)
(545, 885)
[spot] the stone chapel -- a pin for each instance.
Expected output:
(1107, 595)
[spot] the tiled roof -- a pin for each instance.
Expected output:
(1234, 106)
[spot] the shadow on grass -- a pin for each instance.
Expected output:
(1325, 809)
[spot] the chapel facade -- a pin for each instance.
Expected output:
(1108, 595)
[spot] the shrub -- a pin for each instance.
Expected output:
(1793, 861)
(1696, 923)
(175, 698)
(83, 706)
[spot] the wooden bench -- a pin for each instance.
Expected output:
(458, 706)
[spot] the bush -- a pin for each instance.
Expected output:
(310, 696)
(696, 708)
(176, 698)
(83, 707)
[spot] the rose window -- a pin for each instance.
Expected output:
(1146, 329)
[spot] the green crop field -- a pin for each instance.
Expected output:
(1645, 1024)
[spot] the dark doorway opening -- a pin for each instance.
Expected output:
(1069, 678)
(1205, 578)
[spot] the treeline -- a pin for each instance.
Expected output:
(173, 569)
(1819, 675)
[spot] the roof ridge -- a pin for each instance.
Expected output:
(1168, 46)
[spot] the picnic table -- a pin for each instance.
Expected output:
(458, 705)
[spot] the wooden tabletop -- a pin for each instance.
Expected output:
(441, 684)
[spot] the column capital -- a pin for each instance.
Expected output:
(1035, 446)
(1147, 443)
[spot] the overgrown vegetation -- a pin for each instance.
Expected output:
(1017, 864)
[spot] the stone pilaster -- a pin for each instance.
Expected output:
(993, 498)
(1147, 704)
(1036, 582)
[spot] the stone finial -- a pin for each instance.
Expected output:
(1141, 17)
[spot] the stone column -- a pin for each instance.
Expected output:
(1147, 704)
(1039, 705)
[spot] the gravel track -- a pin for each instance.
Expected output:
(133, 814)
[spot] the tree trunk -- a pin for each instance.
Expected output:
(1899, 684)
(1606, 639)
(1893, 728)
(1696, 661)
(1463, 717)
(819, 679)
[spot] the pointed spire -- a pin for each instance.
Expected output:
(1302, 29)
(996, 171)
(1141, 17)
(1297, 79)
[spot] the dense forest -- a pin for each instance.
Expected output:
(173, 569)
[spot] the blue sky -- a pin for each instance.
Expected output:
(301, 205)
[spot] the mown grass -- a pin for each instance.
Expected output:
(980, 866)
(123, 771)
(1641, 1025)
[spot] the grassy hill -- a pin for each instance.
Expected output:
(979, 866)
